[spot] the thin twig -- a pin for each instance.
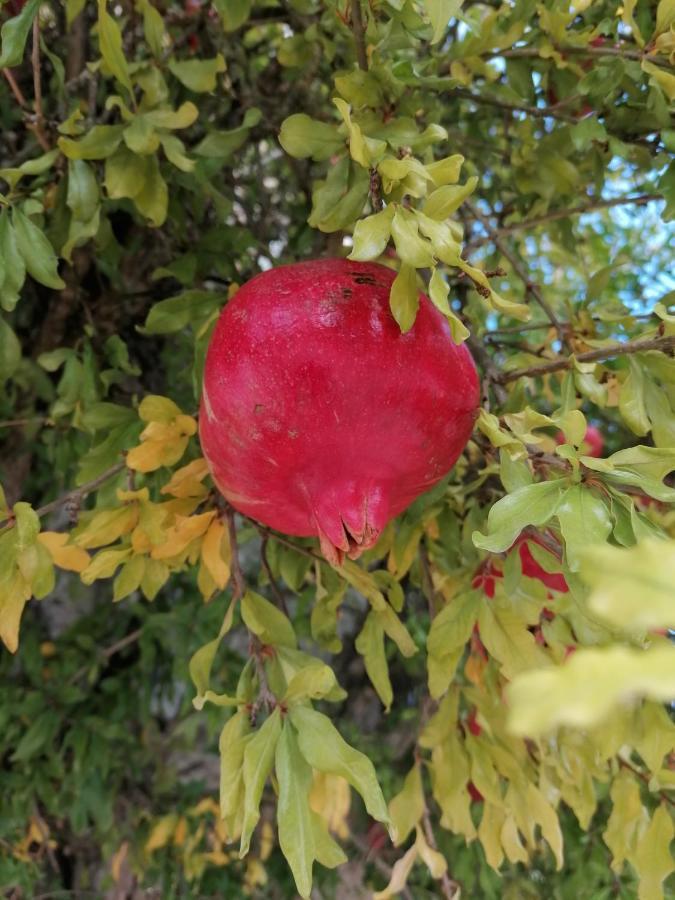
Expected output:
(18, 423)
(279, 597)
(449, 887)
(379, 863)
(267, 532)
(543, 326)
(238, 580)
(534, 52)
(110, 651)
(492, 375)
(519, 269)
(16, 90)
(78, 494)
(640, 345)
(644, 777)
(556, 214)
(540, 112)
(359, 35)
(37, 75)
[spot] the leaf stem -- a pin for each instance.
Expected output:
(359, 34)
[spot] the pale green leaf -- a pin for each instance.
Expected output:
(404, 298)
(266, 621)
(632, 400)
(198, 75)
(440, 12)
(407, 807)
(296, 831)
(110, 43)
(258, 760)
(371, 235)
(14, 35)
(632, 588)
(584, 521)
(324, 748)
(370, 644)
(303, 137)
(533, 504)
(542, 699)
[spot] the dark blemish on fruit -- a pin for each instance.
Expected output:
(258, 408)
(346, 292)
(360, 278)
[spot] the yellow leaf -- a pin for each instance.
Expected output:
(162, 832)
(14, 592)
(151, 455)
(399, 875)
(653, 859)
(434, 861)
(106, 526)
(118, 860)
(180, 535)
(154, 408)
(104, 564)
(66, 556)
(216, 553)
(330, 797)
(186, 481)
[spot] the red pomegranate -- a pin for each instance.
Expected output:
(318, 416)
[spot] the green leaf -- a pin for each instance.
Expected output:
(14, 34)
(202, 660)
(533, 504)
(258, 761)
(110, 43)
(653, 860)
(10, 352)
(438, 293)
(632, 399)
(324, 749)
(100, 142)
(153, 28)
(266, 621)
(440, 12)
(198, 75)
(296, 832)
(233, 13)
(152, 201)
(584, 521)
(12, 266)
(82, 197)
(37, 252)
(232, 745)
(632, 588)
(404, 298)
(124, 174)
(449, 632)
(312, 682)
(407, 807)
(396, 630)
(371, 235)
(412, 249)
(175, 313)
(303, 137)
(140, 136)
(542, 699)
(446, 200)
(219, 144)
(507, 638)
(370, 644)
(446, 171)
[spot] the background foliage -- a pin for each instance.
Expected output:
(516, 159)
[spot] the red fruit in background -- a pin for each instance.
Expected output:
(318, 416)
(474, 793)
(554, 581)
(593, 443)
(473, 724)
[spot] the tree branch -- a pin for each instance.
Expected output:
(16, 90)
(451, 889)
(639, 345)
(540, 112)
(519, 269)
(566, 214)
(359, 34)
(534, 53)
(78, 494)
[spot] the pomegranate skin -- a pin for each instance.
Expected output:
(318, 416)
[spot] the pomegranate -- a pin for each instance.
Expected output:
(318, 416)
